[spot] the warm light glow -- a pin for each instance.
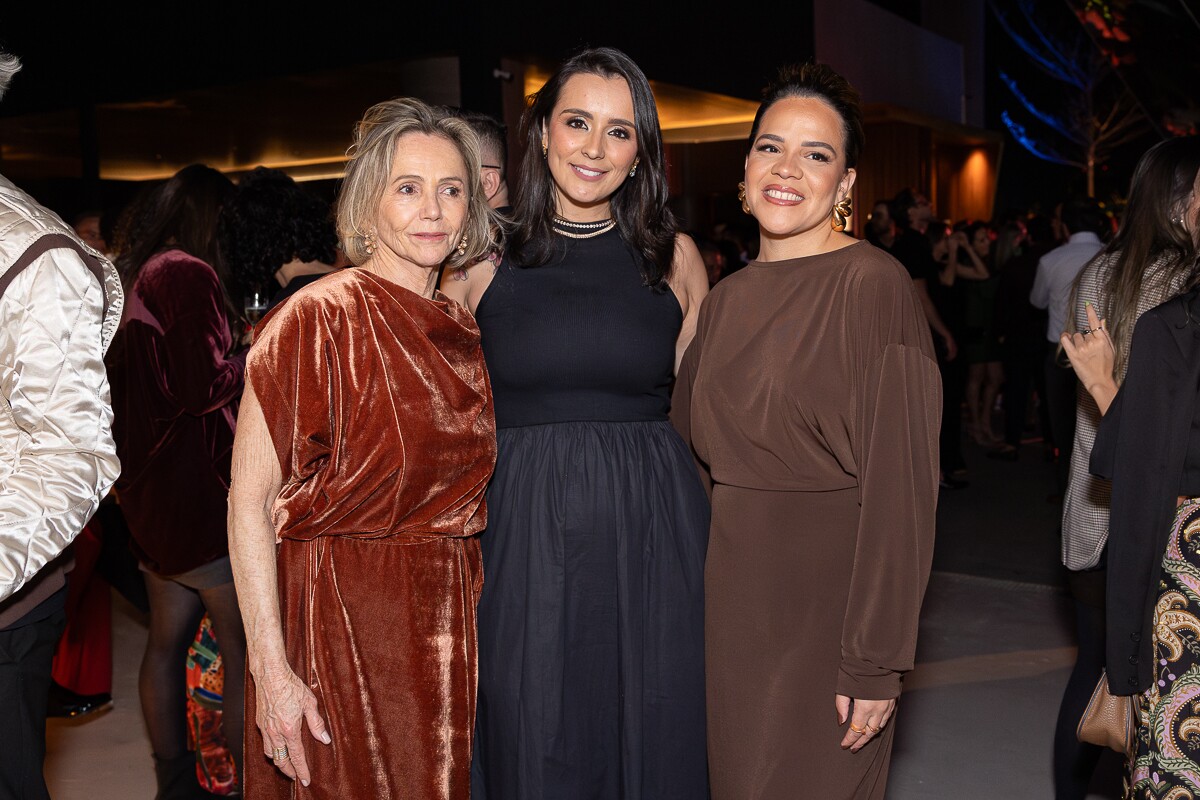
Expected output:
(685, 115)
(300, 169)
(975, 172)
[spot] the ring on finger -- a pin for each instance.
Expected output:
(874, 729)
(280, 753)
(1086, 331)
(857, 730)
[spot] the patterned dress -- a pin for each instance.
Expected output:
(1168, 736)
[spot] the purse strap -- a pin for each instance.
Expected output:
(44, 244)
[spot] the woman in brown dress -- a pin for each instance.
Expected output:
(366, 439)
(811, 397)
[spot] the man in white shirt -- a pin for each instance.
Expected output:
(1082, 222)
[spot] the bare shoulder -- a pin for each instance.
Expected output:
(466, 284)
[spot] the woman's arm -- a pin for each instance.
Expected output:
(1093, 357)
(284, 702)
(976, 270)
(689, 282)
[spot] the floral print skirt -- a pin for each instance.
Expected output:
(1164, 762)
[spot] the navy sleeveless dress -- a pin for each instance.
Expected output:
(591, 652)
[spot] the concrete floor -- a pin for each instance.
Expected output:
(977, 716)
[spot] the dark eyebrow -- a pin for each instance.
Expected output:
(581, 113)
(774, 138)
(828, 147)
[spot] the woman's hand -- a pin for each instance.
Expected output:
(868, 719)
(1093, 357)
(284, 704)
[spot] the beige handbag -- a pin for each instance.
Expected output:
(1108, 720)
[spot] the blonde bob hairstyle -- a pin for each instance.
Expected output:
(370, 164)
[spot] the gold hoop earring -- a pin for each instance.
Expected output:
(633, 170)
(462, 247)
(742, 197)
(369, 244)
(841, 214)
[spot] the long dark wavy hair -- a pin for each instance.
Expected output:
(639, 205)
(269, 221)
(181, 214)
(1152, 230)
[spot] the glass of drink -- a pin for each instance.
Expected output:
(255, 306)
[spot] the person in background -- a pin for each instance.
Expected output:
(365, 442)
(1150, 259)
(1082, 221)
(60, 303)
(1022, 331)
(493, 152)
(276, 236)
(880, 230)
(176, 374)
(591, 621)
(980, 343)
(810, 396)
(87, 227)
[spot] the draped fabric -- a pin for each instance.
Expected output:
(811, 398)
(379, 407)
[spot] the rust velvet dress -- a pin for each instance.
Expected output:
(379, 407)
(811, 396)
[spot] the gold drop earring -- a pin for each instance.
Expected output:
(742, 197)
(841, 214)
(633, 170)
(462, 247)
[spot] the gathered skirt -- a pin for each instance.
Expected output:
(591, 620)
(1164, 763)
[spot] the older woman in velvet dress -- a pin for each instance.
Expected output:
(367, 438)
(812, 396)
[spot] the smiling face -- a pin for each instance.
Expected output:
(796, 172)
(590, 142)
(423, 209)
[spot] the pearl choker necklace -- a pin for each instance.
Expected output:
(581, 230)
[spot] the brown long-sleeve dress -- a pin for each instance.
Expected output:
(811, 397)
(379, 407)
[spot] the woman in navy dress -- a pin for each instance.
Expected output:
(591, 681)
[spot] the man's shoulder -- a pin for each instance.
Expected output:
(23, 221)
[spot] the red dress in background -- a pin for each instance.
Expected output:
(379, 407)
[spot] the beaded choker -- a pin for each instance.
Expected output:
(581, 230)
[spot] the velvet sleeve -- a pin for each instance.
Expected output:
(291, 369)
(202, 377)
(898, 411)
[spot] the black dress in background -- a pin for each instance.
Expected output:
(591, 623)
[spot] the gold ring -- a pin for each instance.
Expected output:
(857, 730)
(280, 753)
(873, 729)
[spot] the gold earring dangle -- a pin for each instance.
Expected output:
(742, 197)
(841, 214)
(462, 246)
(369, 244)
(544, 150)
(633, 170)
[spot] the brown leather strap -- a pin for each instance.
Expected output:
(54, 241)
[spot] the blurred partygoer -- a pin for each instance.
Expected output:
(176, 380)
(1150, 259)
(60, 302)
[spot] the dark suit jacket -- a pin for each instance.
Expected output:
(1140, 447)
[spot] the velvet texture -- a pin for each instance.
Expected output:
(380, 410)
(175, 394)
